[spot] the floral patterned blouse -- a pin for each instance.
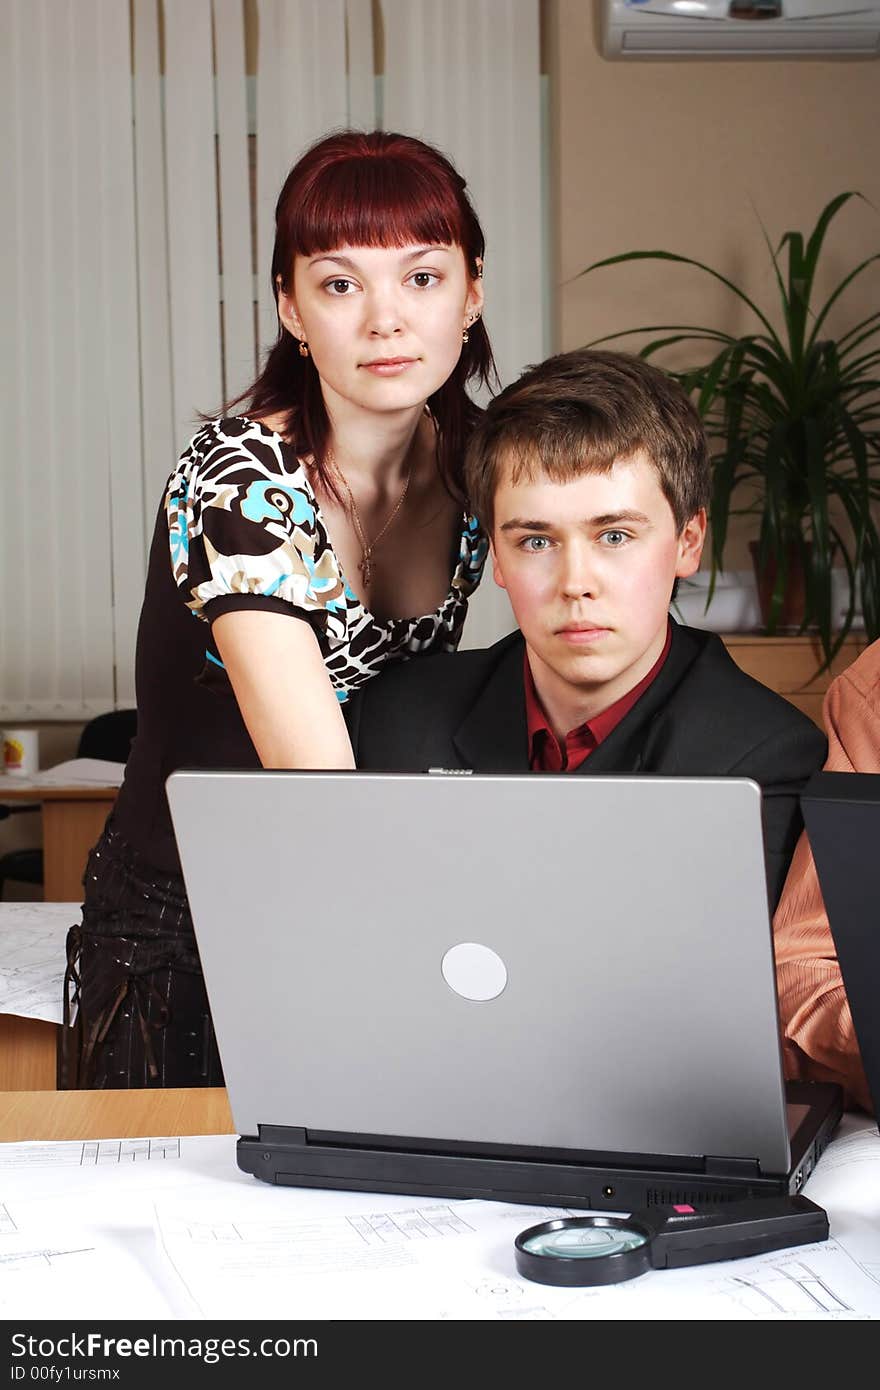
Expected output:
(245, 530)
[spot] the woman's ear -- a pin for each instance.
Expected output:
(475, 298)
(287, 311)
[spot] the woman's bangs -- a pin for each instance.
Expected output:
(375, 202)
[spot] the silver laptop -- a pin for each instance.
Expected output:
(546, 987)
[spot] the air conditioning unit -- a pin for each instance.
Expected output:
(740, 29)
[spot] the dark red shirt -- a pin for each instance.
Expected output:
(547, 754)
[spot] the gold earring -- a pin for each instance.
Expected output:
(472, 320)
(303, 348)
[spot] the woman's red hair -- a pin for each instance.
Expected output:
(375, 189)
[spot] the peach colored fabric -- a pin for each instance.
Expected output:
(819, 1042)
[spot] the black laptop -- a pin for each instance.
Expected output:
(538, 989)
(842, 816)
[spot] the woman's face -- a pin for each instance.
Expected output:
(383, 323)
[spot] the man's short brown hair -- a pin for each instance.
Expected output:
(577, 413)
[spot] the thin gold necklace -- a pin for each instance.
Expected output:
(365, 564)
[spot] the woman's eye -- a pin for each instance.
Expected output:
(339, 287)
(424, 279)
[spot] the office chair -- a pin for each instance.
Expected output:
(107, 736)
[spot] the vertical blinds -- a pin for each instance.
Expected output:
(466, 77)
(141, 163)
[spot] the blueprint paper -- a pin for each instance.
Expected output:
(77, 1226)
(455, 1260)
(32, 957)
(170, 1227)
(75, 1240)
(847, 1183)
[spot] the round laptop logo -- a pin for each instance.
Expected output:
(474, 971)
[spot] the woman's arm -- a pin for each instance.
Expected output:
(283, 690)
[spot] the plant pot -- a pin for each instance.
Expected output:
(791, 612)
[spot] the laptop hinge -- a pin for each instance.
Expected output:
(732, 1167)
(282, 1134)
(714, 1166)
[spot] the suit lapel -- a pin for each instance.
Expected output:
(493, 736)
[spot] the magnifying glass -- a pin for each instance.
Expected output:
(578, 1250)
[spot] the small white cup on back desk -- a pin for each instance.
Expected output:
(21, 752)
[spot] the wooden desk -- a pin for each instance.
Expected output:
(73, 818)
(28, 1046)
(113, 1114)
(28, 1054)
(788, 665)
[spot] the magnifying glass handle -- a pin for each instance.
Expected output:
(684, 1235)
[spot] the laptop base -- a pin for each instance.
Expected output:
(289, 1156)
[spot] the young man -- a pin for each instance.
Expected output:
(590, 475)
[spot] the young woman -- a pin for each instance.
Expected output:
(299, 546)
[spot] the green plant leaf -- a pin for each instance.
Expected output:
(855, 369)
(826, 216)
(835, 295)
(684, 334)
(796, 300)
(682, 260)
(814, 458)
(793, 420)
(871, 324)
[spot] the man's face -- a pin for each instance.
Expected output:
(589, 567)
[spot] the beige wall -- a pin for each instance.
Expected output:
(678, 156)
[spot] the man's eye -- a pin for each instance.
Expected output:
(338, 287)
(424, 279)
(534, 543)
(614, 538)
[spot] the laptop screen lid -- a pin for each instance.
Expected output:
(842, 816)
(620, 925)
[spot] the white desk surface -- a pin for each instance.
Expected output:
(170, 1228)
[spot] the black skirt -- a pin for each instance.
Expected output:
(136, 1010)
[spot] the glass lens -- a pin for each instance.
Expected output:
(584, 1242)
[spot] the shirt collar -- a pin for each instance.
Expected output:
(591, 733)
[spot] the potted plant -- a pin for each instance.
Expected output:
(793, 418)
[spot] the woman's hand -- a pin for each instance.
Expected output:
(283, 690)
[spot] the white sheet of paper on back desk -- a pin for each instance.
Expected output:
(77, 772)
(171, 1228)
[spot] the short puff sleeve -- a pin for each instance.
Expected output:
(242, 522)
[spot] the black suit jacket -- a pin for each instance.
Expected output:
(701, 717)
